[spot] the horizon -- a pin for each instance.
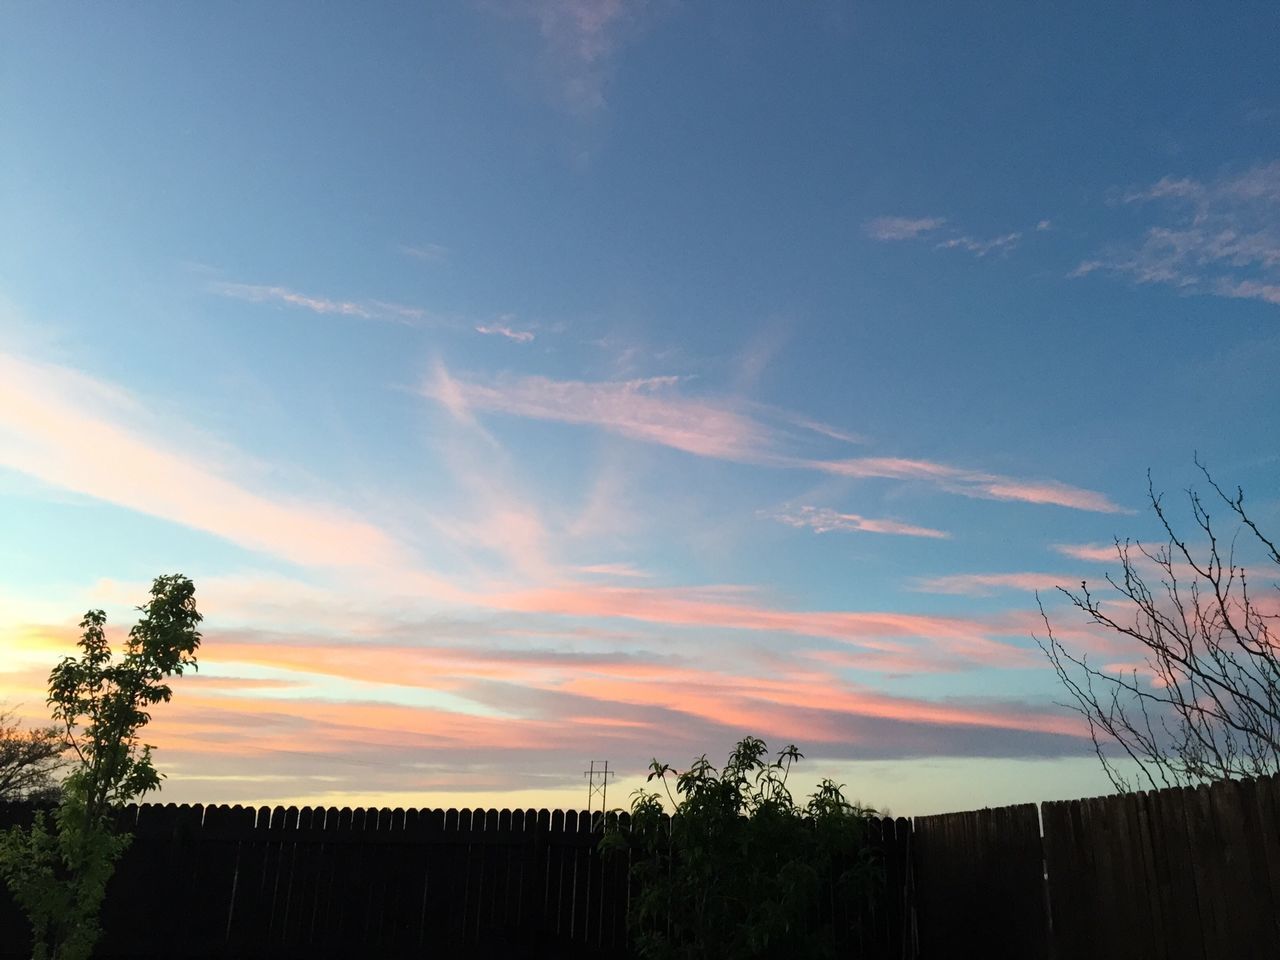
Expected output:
(532, 384)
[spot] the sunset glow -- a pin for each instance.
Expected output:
(528, 384)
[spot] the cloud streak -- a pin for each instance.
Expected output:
(902, 228)
(971, 483)
(53, 426)
(503, 330)
(580, 42)
(362, 309)
(646, 409)
(985, 584)
(980, 248)
(826, 520)
(653, 410)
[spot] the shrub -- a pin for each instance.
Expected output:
(741, 870)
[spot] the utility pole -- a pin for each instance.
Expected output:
(598, 783)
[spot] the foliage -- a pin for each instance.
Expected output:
(58, 868)
(1205, 705)
(29, 761)
(741, 870)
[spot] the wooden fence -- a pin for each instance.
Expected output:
(1174, 874)
(1177, 874)
(237, 882)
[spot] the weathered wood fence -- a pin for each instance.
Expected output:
(1173, 874)
(1177, 874)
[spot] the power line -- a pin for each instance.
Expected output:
(598, 783)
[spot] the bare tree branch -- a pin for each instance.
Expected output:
(1209, 705)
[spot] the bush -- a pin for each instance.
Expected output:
(741, 870)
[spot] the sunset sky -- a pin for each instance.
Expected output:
(527, 383)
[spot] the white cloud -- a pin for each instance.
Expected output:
(363, 309)
(826, 520)
(980, 248)
(902, 228)
(502, 328)
(1219, 237)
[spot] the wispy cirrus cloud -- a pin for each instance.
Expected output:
(625, 570)
(653, 410)
(362, 309)
(580, 43)
(920, 228)
(1219, 237)
(971, 483)
(502, 327)
(985, 584)
(980, 248)
(902, 228)
(826, 520)
(648, 409)
(55, 427)
(1091, 552)
(971, 640)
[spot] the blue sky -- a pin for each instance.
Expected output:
(526, 383)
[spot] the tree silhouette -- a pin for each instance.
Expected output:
(58, 868)
(29, 760)
(1205, 704)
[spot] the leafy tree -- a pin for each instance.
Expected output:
(29, 761)
(58, 868)
(1205, 704)
(741, 870)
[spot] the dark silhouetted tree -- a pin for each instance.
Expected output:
(1205, 703)
(58, 869)
(30, 760)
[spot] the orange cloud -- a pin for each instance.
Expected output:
(697, 608)
(55, 427)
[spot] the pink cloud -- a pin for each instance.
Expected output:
(626, 570)
(1092, 552)
(652, 410)
(969, 483)
(54, 429)
(955, 636)
(826, 520)
(224, 736)
(646, 409)
(611, 681)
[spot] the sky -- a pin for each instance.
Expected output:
(535, 382)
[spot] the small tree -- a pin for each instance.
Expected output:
(58, 871)
(1205, 704)
(741, 870)
(29, 761)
